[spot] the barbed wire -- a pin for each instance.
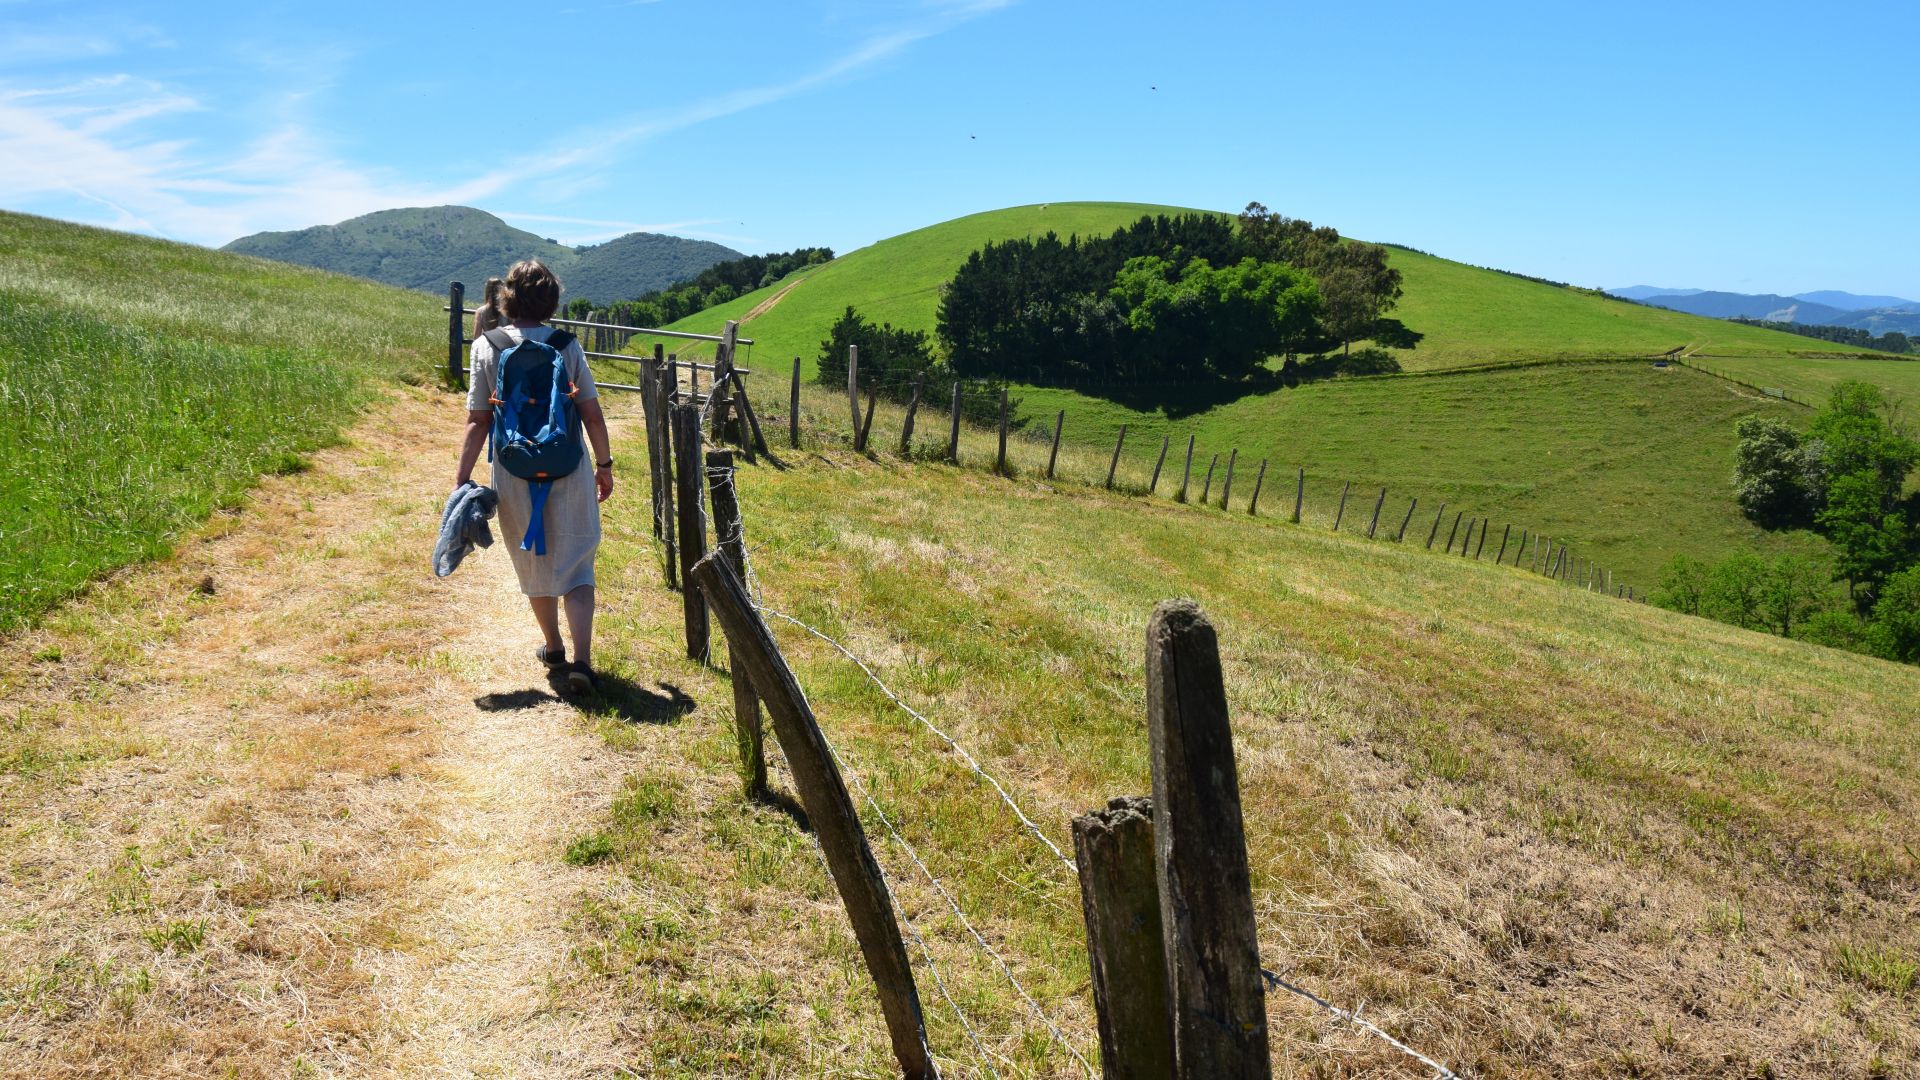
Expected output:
(1276, 982)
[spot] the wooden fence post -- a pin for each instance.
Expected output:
(1165, 441)
(1482, 545)
(793, 407)
(1112, 466)
(672, 388)
(866, 426)
(1253, 505)
(1435, 531)
(1206, 898)
(650, 413)
(1299, 494)
(1053, 454)
(669, 521)
(1226, 485)
(1406, 521)
(913, 406)
(1536, 552)
(853, 388)
(755, 439)
(1206, 489)
(693, 530)
(1520, 555)
(823, 793)
(722, 391)
(1120, 898)
(727, 537)
(1466, 542)
(1186, 474)
(1000, 462)
(456, 332)
(953, 430)
(1377, 504)
(1454, 531)
(1342, 511)
(1501, 556)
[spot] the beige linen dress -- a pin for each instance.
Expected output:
(573, 512)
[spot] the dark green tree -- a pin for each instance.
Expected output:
(1895, 633)
(1769, 473)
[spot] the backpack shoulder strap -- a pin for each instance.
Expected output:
(500, 340)
(559, 339)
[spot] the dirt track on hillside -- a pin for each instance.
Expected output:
(304, 805)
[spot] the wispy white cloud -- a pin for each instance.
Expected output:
(95, 140)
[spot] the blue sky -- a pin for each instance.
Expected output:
(1753, 147)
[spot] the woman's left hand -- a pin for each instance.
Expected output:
(603, 483)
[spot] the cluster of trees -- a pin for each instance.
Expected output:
(1893, 341)
(1845, 478)
(1170, 299)
(892, 360)
(711, 287)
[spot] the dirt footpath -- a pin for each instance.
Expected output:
(288, 805)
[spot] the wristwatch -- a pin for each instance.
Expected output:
(607, 464)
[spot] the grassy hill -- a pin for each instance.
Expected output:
(1628, 463)
(426, 247)
(150, 382)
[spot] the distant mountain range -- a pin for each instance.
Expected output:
(1874, 314)
(427, 247)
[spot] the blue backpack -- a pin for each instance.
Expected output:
(536, 426)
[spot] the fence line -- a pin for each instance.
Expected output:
(1439, 1070)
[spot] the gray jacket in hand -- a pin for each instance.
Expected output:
(463, 524)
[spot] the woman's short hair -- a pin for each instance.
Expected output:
(487, 316)
(532, 293)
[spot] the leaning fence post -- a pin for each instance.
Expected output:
(1482, 545)
(1200, 847)
(1520, 555)
(727, 535)
(1226, 485)
(1501, 555)
(830, 812)
(1053, 454)
(913, 406)
(456, 332)
(1454, 531)
(1406, 521)
(866, 426)
(1000, 464)
(1253, 505)
(793, 407)
(853, 387)
(1186, 474)
(1111, 465)
(1377, 504)
(1126, 952)
(1154, 485)
(1206, 489)
(1467, 540)
(758, 440)
(1299, 494)
(693, 530)
(1342, 511)
(1435, 531)
(953, 431)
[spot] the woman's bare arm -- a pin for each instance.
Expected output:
(595, 422)
(478, 424)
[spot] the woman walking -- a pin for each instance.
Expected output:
(564, 574)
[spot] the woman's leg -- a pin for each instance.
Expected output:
(580, 623)
(546, 611)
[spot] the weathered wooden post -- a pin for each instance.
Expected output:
(1000, 463)
(1466, 542)
(1226, 485)
(830, 812)
(673, 388)
(1482, 545)
(1435, 531)
(693, 530)
(1186, 474)
(1500, 556)
(1200, 846)
(1520, 555)
(1377, 504)
(456, 335)
(722, 391)
(728, 537)
(1154, 485)
(1342, 511)
(913, 406)
(756, 440)
(1053, 454)
(853, 388)
(1454, 532)
(953, 430)
(1206, 489)
(1126, 952)
(793, 407)
(1406, 521)
(1537, 553)
(669, 521)
(866, 426)
(650, 413)
(1113, 465)
(1253, 504)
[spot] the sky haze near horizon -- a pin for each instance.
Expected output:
(1752, 147)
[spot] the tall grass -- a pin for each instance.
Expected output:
(146, 383)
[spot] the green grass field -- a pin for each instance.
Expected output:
(1536, 832)
(1812, 378)
(151, 382)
